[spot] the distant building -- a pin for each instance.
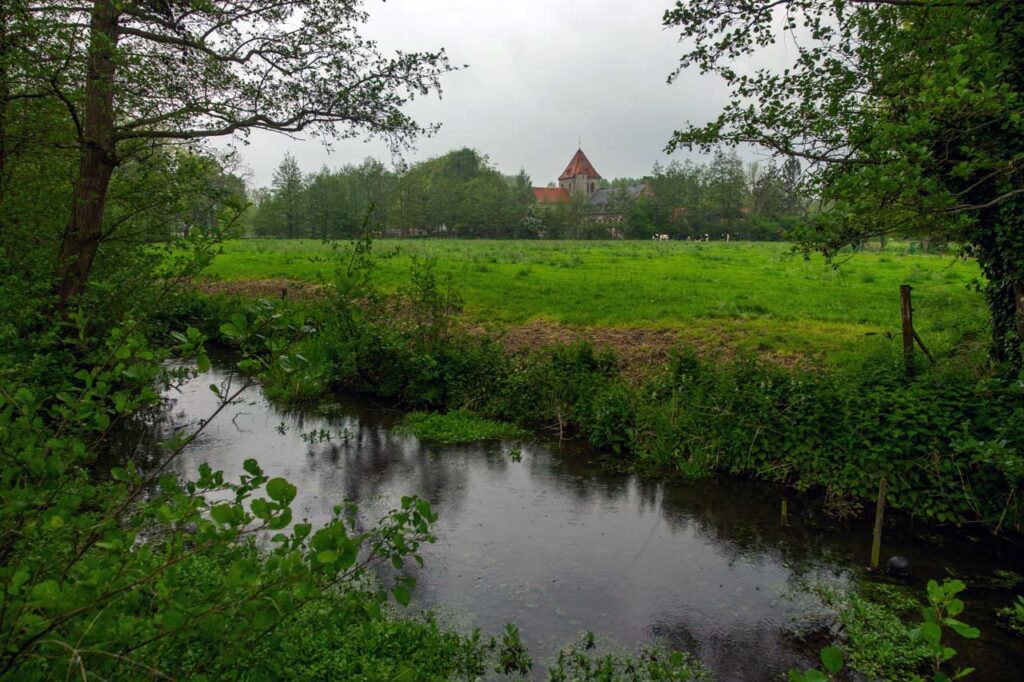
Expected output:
(606, 203)
(550, 195)
(580, 177)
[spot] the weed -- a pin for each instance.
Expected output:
(584, 662)
(1012, 617)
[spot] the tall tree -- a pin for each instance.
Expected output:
(133, 74)
(908, 113)
(288, 188)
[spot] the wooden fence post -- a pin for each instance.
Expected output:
(876, 535)
(907, 317)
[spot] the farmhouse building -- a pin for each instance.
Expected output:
(581, 178)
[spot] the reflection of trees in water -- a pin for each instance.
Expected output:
(759, 651)
(741, 519)
(576, 474)
(374, 465)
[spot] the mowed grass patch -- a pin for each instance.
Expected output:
(739, 296)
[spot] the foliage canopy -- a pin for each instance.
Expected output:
(909, 114)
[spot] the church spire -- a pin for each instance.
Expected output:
(579, 165)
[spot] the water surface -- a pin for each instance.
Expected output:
(558, 545)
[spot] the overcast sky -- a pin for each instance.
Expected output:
(542, 74)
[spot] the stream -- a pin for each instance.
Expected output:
(540, 535)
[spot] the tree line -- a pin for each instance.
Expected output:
(460, 194)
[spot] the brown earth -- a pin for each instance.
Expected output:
(639, 349)
(277, 287)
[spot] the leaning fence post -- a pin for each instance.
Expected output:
(907, 317)
(876, 535)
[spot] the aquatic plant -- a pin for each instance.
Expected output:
(459, 426)
(584, 661)
(1013, 616)
(876, 644)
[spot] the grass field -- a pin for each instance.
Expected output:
(746, 295)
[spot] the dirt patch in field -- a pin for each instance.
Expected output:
(639, 349)
(261, 288)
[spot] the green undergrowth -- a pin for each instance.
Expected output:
(873, 635)
(340, 635)
(872, 639)
(1012, 616)
(458, 426)
(591, 660)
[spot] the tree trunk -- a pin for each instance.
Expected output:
(5, 93)
(98, 157)
(1018, 296)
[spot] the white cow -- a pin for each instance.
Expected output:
(660, 237)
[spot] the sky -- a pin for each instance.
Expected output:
(542, 77)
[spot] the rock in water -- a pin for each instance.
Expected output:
(898, 565)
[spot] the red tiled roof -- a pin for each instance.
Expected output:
(551, 195)
(579, 164)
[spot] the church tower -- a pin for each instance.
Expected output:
(580, 176)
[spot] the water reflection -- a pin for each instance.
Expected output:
(556, 545)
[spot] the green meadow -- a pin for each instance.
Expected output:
(734, 296)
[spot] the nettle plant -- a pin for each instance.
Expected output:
(938, 618)
(133, 571)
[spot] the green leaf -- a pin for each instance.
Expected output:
(963, 629)
(261, 509)
(280, 490)
(119, 474)
(281, 520)
(953, 587)
(328, 556)
(832, 659)
(222, 513)
(401, 594)
(348, 556)
(46, 592)
(931, 632)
